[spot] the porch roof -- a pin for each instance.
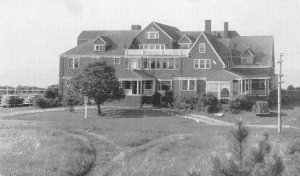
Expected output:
(165, 77)
(135, 75)
(246, 73)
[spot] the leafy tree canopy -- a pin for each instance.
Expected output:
(98, 81)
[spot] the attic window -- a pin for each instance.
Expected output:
(185, 45)
(201, 47)
(152, 34)
(99, 47)
(246, 60)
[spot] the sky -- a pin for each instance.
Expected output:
(33, 33)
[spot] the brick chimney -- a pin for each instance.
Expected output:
(225, 35)
(208, 27)
(136, 27)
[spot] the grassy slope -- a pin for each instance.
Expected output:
(131, 142)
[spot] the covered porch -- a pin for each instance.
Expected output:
(259, 86)
(138, 87)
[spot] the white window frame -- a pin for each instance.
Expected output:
(150, 33)
(159, 87)
(202, 48)
(206, 61)
(73, 62)
(119, 62)
(129, 61)
(161, 46)
(188, 85)
(97, 47)
(189, 45)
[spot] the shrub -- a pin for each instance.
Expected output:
(273, 98)
(186, 102)
(156, 99)
(243, 102)
(51, 92)
(42, 102)
(208, 103)
(168, 98)
(294, 148)
(147, 100)
(72, 98)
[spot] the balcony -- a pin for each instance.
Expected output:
(162, 52)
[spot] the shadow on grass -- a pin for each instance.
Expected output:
(133, 113)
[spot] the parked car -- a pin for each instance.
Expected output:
(30, 99)
(11, 101)
(261, 108)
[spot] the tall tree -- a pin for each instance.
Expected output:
(246, 161)
(98, 81)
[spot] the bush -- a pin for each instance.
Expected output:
(156, 99)
(42, 102)
(186, 102)
(294, 148)
(245, 102)
(147, 100)
(168, 98)
(51, 92)
(273, 98)
(208, 103)
(73, 98)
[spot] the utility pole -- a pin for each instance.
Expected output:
(279, 94)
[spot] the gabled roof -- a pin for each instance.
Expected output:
(100, 40)
(169, 30)
(247, 53)
(185, 39)
(252, 72)
(260, 46)
(117, 40)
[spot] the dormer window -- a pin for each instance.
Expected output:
(101, 43)
(185, 45)
(185, 42)
(152, 34)
(99, 47)
(247, 57)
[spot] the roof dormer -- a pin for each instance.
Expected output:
(247, 57)
(185, 42)
(101, 43)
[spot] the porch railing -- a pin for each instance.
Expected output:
(163, 52)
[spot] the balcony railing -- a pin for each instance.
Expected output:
(163, 52)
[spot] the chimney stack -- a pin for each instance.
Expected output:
(225, 30)
(208, 27)
(136, 27)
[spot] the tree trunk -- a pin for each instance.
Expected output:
(99, 110)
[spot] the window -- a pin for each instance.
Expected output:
(152, 46)
(99, 47)
(201, 47)
(185, 45)
(152, 35)
(148, 84)
(202, 63)
(117, 61)
(132, 63)
(73, 63)
(164, 85)
(126, 84)
(246, 60)
(258, 84)
(218, 89)
(188, 85)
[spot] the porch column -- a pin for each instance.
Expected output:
(241, 86)
(250, 85)
(265, 86)
(219, 90)
(154, 86)
(137, 87)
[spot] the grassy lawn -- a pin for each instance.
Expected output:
(290, 116)
(128, 142)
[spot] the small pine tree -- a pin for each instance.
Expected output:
(245, 161)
